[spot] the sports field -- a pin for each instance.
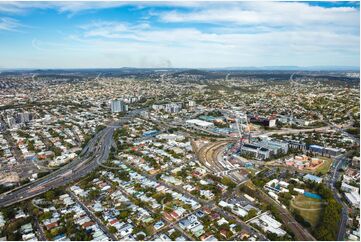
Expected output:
(309, 208)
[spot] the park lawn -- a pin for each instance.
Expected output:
(325, 167)
(309, 208)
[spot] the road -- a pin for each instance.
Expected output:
(39, 230)
(205, 203)
(287, 218)
(290, 131)
(94, 152)
(209, 156)
(93, 217)
(342, 130)
(331, 182)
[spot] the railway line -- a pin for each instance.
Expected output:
(300, 232)
(211, 156)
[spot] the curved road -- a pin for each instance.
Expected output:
(96, 151)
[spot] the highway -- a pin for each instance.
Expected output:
(95, 151)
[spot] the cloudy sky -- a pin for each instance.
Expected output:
(178, 34)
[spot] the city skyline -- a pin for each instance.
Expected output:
(175, 34)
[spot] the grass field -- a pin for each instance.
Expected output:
(309, 208)
(325, 167)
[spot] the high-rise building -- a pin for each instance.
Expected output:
(116, 106)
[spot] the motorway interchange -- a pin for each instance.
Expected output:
(95, 151)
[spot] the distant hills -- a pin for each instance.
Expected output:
(195, 70)
(293, 68)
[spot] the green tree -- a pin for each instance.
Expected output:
(228, 182)
(50, 195)
(112, 229)
(140, 237)
(251, 213)
(328, 225)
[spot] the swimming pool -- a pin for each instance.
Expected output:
(312, 195)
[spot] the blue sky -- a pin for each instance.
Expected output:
(178, 34)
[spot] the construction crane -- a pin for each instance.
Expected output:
(239, 130)
(240, 122)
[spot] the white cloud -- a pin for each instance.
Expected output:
(67, 7)
(9, 24)
(227, 36)
(240, 34)
(128, 45)
(112, 29)
(72, 7)
(268, 14)
(192, 48)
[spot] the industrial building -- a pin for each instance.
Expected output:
(294, 144)
(275, 147)
(201, 123)
(255, 151)
(150, 133)
(324, 150)
(348, 188)
(264, 149)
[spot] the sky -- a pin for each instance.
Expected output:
(178, 34)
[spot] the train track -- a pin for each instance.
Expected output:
(206, 155)
(209, 156)
(300, 233)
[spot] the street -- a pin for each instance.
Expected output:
(95, 152)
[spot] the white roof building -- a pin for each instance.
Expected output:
(201, 123)
(270, 225)
(353, 198)
(348, 188)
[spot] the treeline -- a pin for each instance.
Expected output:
(327, 227)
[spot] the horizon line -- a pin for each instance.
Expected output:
(188, 68)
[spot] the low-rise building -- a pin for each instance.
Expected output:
(312, 178)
